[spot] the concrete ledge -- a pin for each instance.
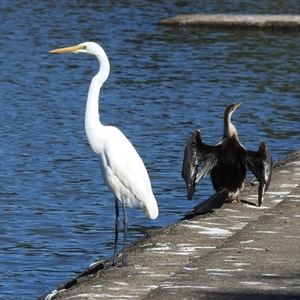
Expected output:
(262, 22)
(239, 251)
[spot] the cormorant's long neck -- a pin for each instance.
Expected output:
(229, 129)
(92, 117)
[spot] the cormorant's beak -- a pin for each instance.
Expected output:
(66, 50)
(237, 105)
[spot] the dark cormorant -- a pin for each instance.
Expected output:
(227, 162)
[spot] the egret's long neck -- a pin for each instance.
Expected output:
(92, 117)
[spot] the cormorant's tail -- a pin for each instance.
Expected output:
(215, 201)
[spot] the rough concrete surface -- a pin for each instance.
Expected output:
(239, 251)
(274, 22)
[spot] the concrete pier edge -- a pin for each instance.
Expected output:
(237, 21)
(230, 252)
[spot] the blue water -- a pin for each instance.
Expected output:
(56, 214)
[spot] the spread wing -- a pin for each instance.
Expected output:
(260, 164)
(198, 160)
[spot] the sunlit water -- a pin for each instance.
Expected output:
(56, 214)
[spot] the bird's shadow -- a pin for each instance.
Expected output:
(248, 203)
(190, 215)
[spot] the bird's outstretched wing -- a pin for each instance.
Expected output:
(260, 164)
(198, 160)
(215, 201)
(190, 164)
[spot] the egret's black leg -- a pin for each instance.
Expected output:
(116, 232)
(125, 221)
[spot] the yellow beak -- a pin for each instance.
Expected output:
(66, 50)
(237, 105)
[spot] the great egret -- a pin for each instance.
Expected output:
(121, 166)
(228, 162)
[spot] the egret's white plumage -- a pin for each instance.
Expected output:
(122, 168)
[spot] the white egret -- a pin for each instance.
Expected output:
(121, 166)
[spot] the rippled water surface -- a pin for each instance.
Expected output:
(56, 214)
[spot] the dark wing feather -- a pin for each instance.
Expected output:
(190, 164)
(198, 160)
(260, 164)
(215, 201)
